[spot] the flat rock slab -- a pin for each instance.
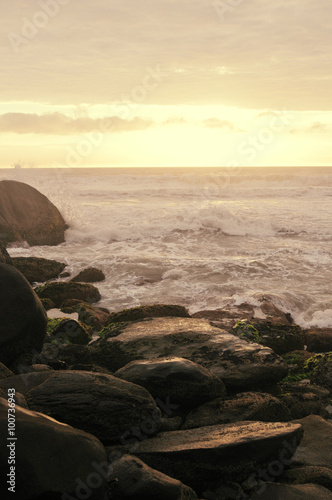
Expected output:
(203, 457)
(274, 491)
(241, 365)
(316, 446)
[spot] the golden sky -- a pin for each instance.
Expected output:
(165, 82)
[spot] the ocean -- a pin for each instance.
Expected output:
(199, 237)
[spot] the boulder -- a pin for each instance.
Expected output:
(89, 275)
(36, 269)
(22, 317)
(275, 491)
(132, 478)
(107, 407)
(316, 446)
(153, 311)
(303, 399)
(309, 474)
(5, 372)
(70, 331)
(4, 255)
(24, 382)
(206, 457)
(51, 458)
(320, 367)
(241, 365)
(95, 317)
(244, 406)
(27, 215)
(184, 382)
(58, 292)
(318, 339)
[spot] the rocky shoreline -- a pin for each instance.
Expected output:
(224, 404)
(150, 402)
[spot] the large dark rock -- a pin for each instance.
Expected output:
(153, 311)
(318, 339)
(275, 491)
(24, 382)
(66, 330)
(309, 474)
(5, 372)
(184, 382)
(241, 365)
(244, 406)
(36, 269)
(58, 292)
(104, 405)
(50, 458)
(304, 399)
(316, 446)
(89, 275)
(132, 478)
(23, 319)
(95, 317)
(203, 458)
(320, 367)
(27, 215)
(4, 255)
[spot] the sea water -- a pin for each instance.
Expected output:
(200, 237)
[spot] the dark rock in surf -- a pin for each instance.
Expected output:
(27, 215)
(318, 339)
(101, 404)
(153, 311)
(185, 383)
(89, 275)
(58, 292)
(244, 406)
(36, 269)
(50, 458)
(22, 317)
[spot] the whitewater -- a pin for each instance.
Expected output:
(199, 237)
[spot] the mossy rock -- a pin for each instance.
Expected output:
(279, 337)
(36, 269)
(113, 329)
(320, 366)
(68, 331)
(58, 292)
(151, 311)
(247, 331)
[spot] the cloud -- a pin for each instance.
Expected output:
(216, 123)
(59, 124)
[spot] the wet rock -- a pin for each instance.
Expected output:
(58, 292)
(5, 372)
(275, 491)
(90, 368)
(69, 331)
(318, 339)
(50, 457)
(89, 275)
(92, 316)
(239, 364)
(184, 382)
(22, 317)
(303, 399)
(101, 404)
(36, 269)
(316, 445)
(153, 311)
(27, 215)
(206, 457)
(309, 474)
(24, 382)
(4, 255)
(132, 478)
(320, 367)
(47, 304)
(244, 406)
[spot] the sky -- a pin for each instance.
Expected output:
(166, 83)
